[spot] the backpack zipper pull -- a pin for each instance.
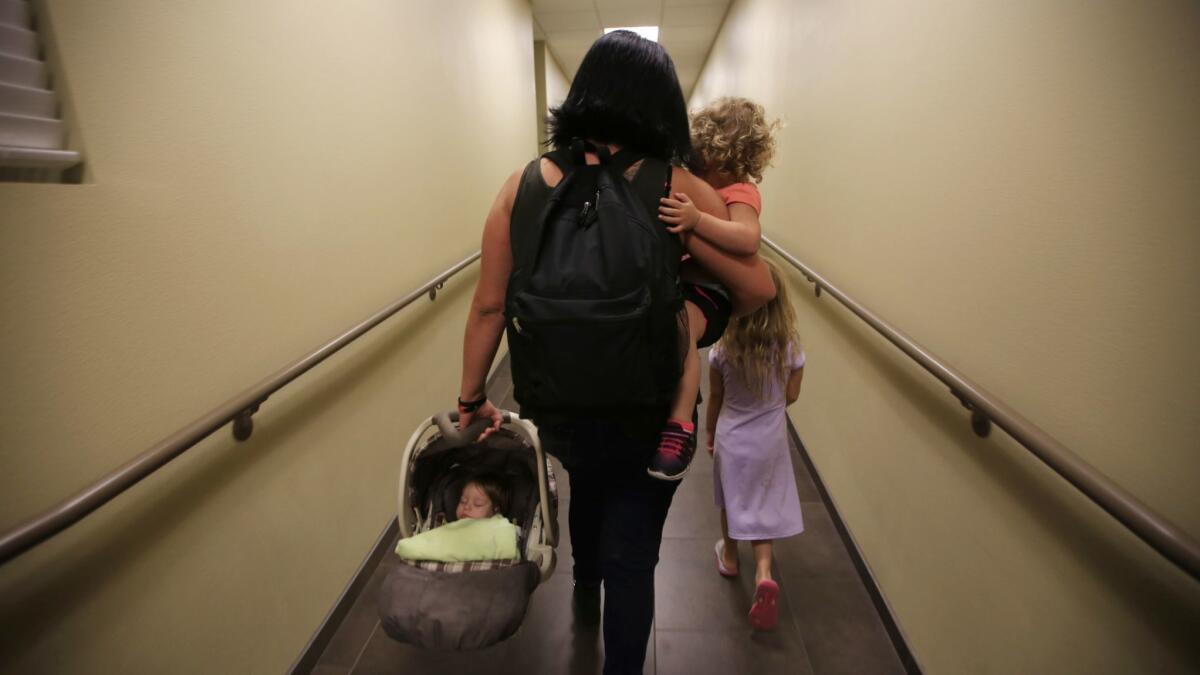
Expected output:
(517, 325)
(589, 213)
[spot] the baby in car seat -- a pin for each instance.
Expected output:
(483, 496)
(480, 530)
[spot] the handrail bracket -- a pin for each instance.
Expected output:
(243, 424)
(981, 424)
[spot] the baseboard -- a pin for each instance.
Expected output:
(864, 571)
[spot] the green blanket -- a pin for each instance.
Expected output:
(463, 540)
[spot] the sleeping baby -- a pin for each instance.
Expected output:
(480, 531)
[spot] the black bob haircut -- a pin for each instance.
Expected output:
(626, 93)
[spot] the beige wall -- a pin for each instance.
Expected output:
(261, 176)
(552, 86)
(557, 83)
(1017, 185)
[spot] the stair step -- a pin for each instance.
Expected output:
(27, 101)
(15, 13)
(16, 41)
(22, 72)
(22, 131)
(37, 158)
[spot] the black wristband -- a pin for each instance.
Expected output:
(471, 406)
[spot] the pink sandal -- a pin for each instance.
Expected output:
(764, 613)
(721, 568)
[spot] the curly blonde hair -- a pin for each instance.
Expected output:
(732, 135)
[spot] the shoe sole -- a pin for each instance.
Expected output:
(662, 476)
(764, 613)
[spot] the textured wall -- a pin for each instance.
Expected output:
(1016, 185)
(260, 176)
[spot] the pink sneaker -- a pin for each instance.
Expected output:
(764, 613)
(676, 447)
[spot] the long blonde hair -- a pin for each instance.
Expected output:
(756, 345)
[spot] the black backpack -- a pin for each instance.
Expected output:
(593, 306)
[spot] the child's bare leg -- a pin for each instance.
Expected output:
(678, 441)
(762, 560)
(764, 611)
(730, 560)
(689, 383)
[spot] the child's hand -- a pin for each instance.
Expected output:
(679, 212)
(709, 442)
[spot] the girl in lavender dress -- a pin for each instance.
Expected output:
(755, 374)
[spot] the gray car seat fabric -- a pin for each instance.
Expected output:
(455, 610)
(469, 605)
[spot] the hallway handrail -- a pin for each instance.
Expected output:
(237, 410)
(1161, 534)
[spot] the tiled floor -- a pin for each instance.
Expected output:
(828, 623)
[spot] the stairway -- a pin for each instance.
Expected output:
(32, 135)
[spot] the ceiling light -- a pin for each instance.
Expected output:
(648, 32)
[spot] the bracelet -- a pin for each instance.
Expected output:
(471, 406)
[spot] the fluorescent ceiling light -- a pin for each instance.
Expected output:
(648, 32)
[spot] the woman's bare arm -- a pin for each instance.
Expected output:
(746, 277)
(485, 320)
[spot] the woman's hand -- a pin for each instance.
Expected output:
(680, 212)
(485, 411)
(709, 442)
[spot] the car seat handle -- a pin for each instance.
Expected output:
(447, 423)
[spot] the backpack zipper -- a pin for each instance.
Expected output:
(589, 211)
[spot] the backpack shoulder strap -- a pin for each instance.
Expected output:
(532, 193)
(651, 182)
(533, 204)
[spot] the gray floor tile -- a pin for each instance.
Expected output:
(501, 381)
(326, 669)
(806, 487)
(384, 656)
(359, 622)
(816, 552)
(724, 651)
(693, 514)
(690, 595)
(842, 631)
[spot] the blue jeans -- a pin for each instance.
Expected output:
(616, 522)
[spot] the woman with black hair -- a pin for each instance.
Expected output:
(625, 98)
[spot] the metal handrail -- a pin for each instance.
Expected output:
(237, 410)
(1161, 534)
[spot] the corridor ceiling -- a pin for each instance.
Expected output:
(687, 28)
